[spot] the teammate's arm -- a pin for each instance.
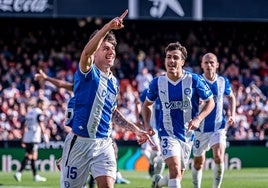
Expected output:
(232, 101)
(120, 120)
(146, 112)
(208, 107)
(59, 83)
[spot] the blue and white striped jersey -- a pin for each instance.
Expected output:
(179, 103)
(220, 87)
(95, 100)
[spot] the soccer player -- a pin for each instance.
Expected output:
(89, 147)
(179, 92)
(211, 132)
(41, 76)
(33, 131)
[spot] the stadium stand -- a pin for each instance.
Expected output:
(27, 45)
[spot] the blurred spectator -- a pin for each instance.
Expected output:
(143, 79)
(241, 131)
(5, 127)
(24, 51)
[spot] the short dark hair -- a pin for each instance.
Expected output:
(40, 101)
(110, 37)
(177, 46)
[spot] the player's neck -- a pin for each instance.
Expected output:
(175, 76)
(210, 76)
(104, 69)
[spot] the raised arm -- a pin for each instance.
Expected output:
(93, 44)
(59, 83)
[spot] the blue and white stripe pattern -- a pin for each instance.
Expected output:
(95, 100)
(179, 103)
(220, 87)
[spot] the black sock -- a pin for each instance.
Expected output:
(33, 167)
(23, 164)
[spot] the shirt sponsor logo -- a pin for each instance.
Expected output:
(178, 105)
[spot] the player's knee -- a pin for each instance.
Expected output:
(198, 166)
(218, 160)
(198, 163)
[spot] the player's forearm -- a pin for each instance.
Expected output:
(60, 83)
(121, 121)
(209, 105)
(232, 101)
(146, 115)
(92, 45)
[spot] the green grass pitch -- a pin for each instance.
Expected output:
(245, 178)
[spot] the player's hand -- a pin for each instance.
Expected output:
(23, 145)
(40, 76)
(117, 23)
(58, 163)
(193, 124)
(143, 136)
(149, 129)
(231, 120)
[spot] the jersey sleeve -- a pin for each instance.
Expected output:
(143, 96)
(203, 89)
(228, 88)
(152, 90)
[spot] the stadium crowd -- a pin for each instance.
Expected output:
(26, 46)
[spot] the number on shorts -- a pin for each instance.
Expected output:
(164, 142)
(72, 172)
(197, 143)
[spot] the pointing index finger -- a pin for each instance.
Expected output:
(124, 14)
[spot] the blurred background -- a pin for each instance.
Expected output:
(51, 34)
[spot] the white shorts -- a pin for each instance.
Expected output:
(174, 147)
(82, 156)
(204, 141)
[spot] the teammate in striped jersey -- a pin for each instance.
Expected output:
(211, 132)
(89, 147)
(179, 92)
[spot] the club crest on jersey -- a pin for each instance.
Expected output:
(187, 91)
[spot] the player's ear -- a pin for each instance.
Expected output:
(217, 65)
(182, 63)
